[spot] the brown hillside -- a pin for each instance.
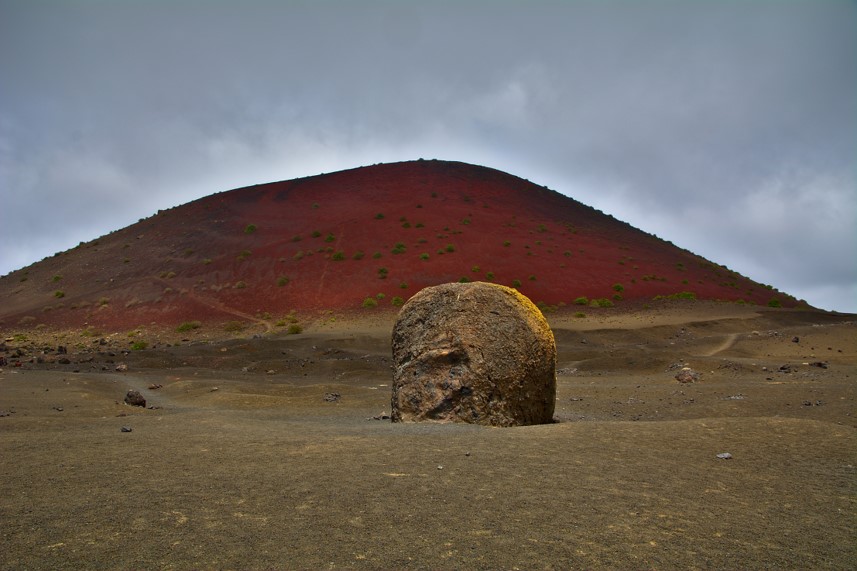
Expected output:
(328, 242)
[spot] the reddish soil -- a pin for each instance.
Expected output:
(317, 246)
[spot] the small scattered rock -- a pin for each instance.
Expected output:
(121, 367)
(126, 429)
(382, 416)
(58, 408)
(62, 350)
(155, 387)
(5, 413)
(786, 368)
(725, 456)
(332, 397)
(440, 467)
(795, 339)
(64, 361)
(270, 372)
(134, 398)
(214, 389)
(687, 375)
(3, 361)
(820, 364)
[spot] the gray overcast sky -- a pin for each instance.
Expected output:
(729, 128)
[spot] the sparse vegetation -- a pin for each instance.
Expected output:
(450, 248)
(489, 276)
(139, 345)
(206, 261)
(397, 301)
(601, 302)
(516, 284)
(582, 300)
(370, 302)
(358, 255)
(403, 285)
(376, 256)
(315, 234)
(580, 315)
(507, 243)
(188, 326)
(379, 216)
(678, 295)
(338, 256)
(250, 228)
(241, 285)
(59, 294)
(56, 278)
(475, 269)
(399, 248)
(380, 296)
(282, 280)
(234, 327)
(294, 329)
(330, 238)
(424, 256)
(774, 302)
(618, 287)
(243, 255)
(464, 280)
(382, 273)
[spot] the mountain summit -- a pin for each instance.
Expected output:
(360, 239)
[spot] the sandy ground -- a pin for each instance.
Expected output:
(242, 463)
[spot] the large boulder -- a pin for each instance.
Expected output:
(473, 352)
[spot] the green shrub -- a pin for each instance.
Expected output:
(59, 293)
(294, 329)
(330, 238)
(424, 256)
(56, 278)
(376, 256)
(138, 345)
(338, 256)
(397, 301)
(532, 278)
(379, 216)
(567, 253)
(299, 255)
(618, 287)
(403, 285)
(315, 234)
(282, 280)
(233, 326)
(489, 276)
(475, 269)
(601, 302)
(507, 243)
(250, 228)
(370, 302)
(382, 273)
(516, 283)
(241, 285)
(358, 255)
(617, 297)
(296, 238)
(450, 248)
(188, 326)
(580, 315)
(464, 279)
(774, 302)
(380, 296)
(242, 256)
(399, 248)
(406, 224)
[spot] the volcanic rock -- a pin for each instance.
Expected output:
(473, 352)
(687, 375)
(134, 398)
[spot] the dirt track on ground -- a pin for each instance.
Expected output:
(243, 464)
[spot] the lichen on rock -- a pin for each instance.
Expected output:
(475, 352)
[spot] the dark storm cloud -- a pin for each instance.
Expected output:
(728, 128)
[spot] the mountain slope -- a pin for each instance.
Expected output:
(327, 242)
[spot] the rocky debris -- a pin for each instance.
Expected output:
(3, 361)
(121, 367)
(64, 361)
(126, 429)
(382, 416)
(725, 456)
(155, 386)
(61, 350)
(134, 398)
(786, 369)
(687, 375)
(795, 339)
(820, 364)
(332, 397)
(59, 408)
(473, 352)
(4, 413)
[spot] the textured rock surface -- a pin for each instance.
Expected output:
(473, 352)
